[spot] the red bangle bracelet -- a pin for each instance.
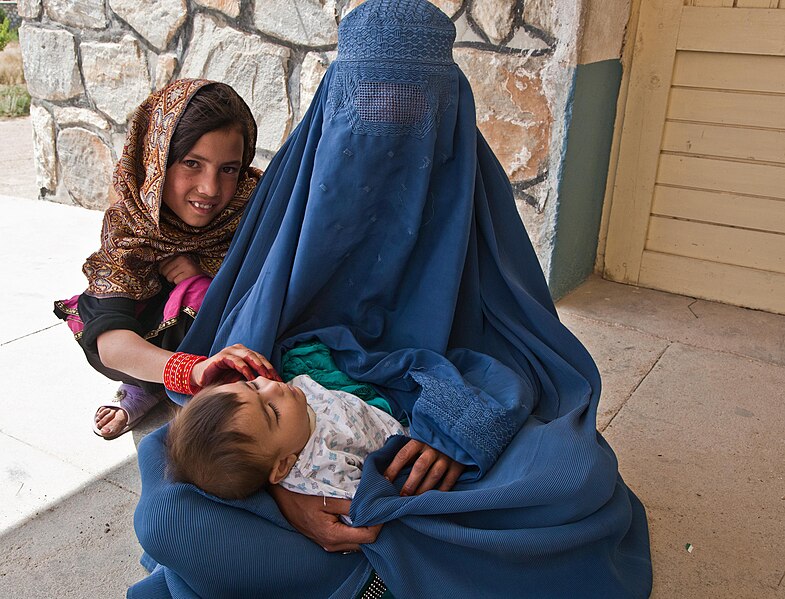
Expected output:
(177, 372)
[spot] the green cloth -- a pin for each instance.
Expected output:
(314, 359)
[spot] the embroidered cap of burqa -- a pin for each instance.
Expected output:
(386, 228)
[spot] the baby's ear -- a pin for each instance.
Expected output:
(281, 468)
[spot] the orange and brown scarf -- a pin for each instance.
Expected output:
(137, 234)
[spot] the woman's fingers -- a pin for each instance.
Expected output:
(407, 454)
(337, 536)
(431, 470)
(260, 364)
(453, 474)
(340, 537)
(236, 358)
(434, 475)
(424, 469)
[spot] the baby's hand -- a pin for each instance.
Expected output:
(178, 268)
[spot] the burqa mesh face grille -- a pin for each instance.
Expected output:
(387, 102)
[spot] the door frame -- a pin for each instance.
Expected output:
(642, 108)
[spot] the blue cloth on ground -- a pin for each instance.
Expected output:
(386, 228)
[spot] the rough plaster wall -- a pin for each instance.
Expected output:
(602, 33)
(519, 55)
(563, 20)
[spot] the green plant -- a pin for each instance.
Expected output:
(6, 34)
(14, 100)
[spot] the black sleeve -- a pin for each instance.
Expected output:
(107, 314)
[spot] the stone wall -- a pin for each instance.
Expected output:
(9, 8)
(89, 63)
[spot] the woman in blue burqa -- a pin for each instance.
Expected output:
(386, 229)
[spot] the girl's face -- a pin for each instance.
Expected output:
(198, 187)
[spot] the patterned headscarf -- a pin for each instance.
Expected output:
(137, 235)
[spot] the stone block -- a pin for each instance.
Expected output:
(29, 9)
(157, 22)
(523, 40)
(44, 147)
(257, 70)
(231, 8)
(542, 14)
(302, 22)
(512, 109)
(164, 69)
(448, 7)
(70, 116)
(117, 91)
(495, 17)
(84, 14)
(313, 69)
(464, 31)
(46, 78)
(86, 163)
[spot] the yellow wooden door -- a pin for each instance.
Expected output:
(699, 196)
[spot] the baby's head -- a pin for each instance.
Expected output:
(231, 440)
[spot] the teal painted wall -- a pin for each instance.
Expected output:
(591, 113)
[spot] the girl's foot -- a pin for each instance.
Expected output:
(130, 405)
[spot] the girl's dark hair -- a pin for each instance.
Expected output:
(204, 450)
(214, 106)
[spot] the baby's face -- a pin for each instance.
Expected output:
(274, 413)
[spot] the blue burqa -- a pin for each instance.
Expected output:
(386, 228)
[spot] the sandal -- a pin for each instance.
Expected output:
(134, 401)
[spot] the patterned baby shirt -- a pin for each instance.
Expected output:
(347, 430)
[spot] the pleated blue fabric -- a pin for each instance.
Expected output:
(386, 228)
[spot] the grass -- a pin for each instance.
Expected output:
(14, 99)
(11, 65)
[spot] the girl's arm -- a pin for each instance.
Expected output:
(127, 352)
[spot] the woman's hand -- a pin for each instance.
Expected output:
(432, 469)
(179, 268)
(233, 363)
(318, 519)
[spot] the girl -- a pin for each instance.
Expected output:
(183, 180)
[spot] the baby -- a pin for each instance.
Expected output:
(231, 440)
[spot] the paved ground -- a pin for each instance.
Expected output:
(692, 404)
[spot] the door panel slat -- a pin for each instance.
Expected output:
(722, 175)
(730, 71)
(716, 243)
(729, 108)
(756, 289)
(743, 30)
(763, 214)
(728, 142)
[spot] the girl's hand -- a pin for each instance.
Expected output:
(231, 364)
(432, 469)
(178, 268)
(318, 519)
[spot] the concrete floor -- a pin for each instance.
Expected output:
(692, 404)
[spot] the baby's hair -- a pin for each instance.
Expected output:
(205, 450)
(215, 106)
